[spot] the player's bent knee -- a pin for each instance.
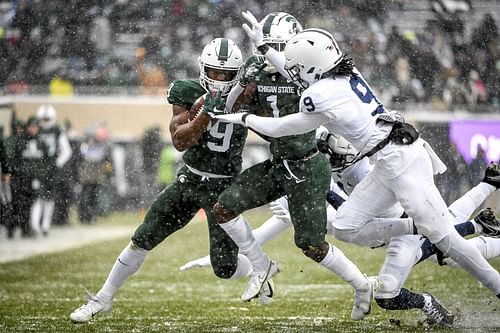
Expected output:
(144, 242)
(316, 253)
(389, 287)
(345, 235)
(222, 214)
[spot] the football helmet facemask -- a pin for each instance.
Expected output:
(277, 30)
(310, 54)
(46, 115)
(220, 58)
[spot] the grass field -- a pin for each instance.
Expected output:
(37, 295)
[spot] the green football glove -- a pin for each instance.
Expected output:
(251, 72)
(214, 104)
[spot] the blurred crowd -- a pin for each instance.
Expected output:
(46, 172)
(432, 51)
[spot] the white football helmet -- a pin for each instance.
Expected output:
(223, 56)
(310, 54)
(47, 116)
(277, 30)
(340, 151)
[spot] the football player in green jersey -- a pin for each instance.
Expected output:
(296, 170)
(212, 157)
(60, 152)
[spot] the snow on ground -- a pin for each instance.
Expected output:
(59, 239)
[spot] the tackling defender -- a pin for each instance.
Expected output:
(212, 159)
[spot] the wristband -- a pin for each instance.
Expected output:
(244, 117)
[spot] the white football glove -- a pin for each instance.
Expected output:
(280, 211)
(200, 262)
(235, 118)
(255, 33)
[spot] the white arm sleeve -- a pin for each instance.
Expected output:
(297, 123)
(233, 96)
(65, 152)
(277, 59)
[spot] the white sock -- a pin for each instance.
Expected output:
(48, 212)
(36, 215)
(243, 269)
(240, 232)
(127, 263)
(270, 229)
(338, 263)
(463, 207)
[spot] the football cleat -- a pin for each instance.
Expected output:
(257, 280)
(488, 221)
(267, 292)
(435, 312)
(363, 299)
(94, 306)
(492, 175)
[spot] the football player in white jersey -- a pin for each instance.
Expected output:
(336, 96)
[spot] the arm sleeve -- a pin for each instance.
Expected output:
(297, 123)
(277, 59)
(233, 96)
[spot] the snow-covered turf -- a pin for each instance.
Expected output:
(37, 294)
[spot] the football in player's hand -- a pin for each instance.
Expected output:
(197, 107)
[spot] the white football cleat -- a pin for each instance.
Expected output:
(200, 262)
(258, 279)
(94, 306)
(267, 293)
(363, 299)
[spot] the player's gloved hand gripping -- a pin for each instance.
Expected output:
(214, 104)
(251, 72)
(255, 33)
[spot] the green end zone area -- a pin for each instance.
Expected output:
(39, 293)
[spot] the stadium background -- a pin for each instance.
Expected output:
(437, 61)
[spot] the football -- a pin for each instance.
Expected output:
(197, 107)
